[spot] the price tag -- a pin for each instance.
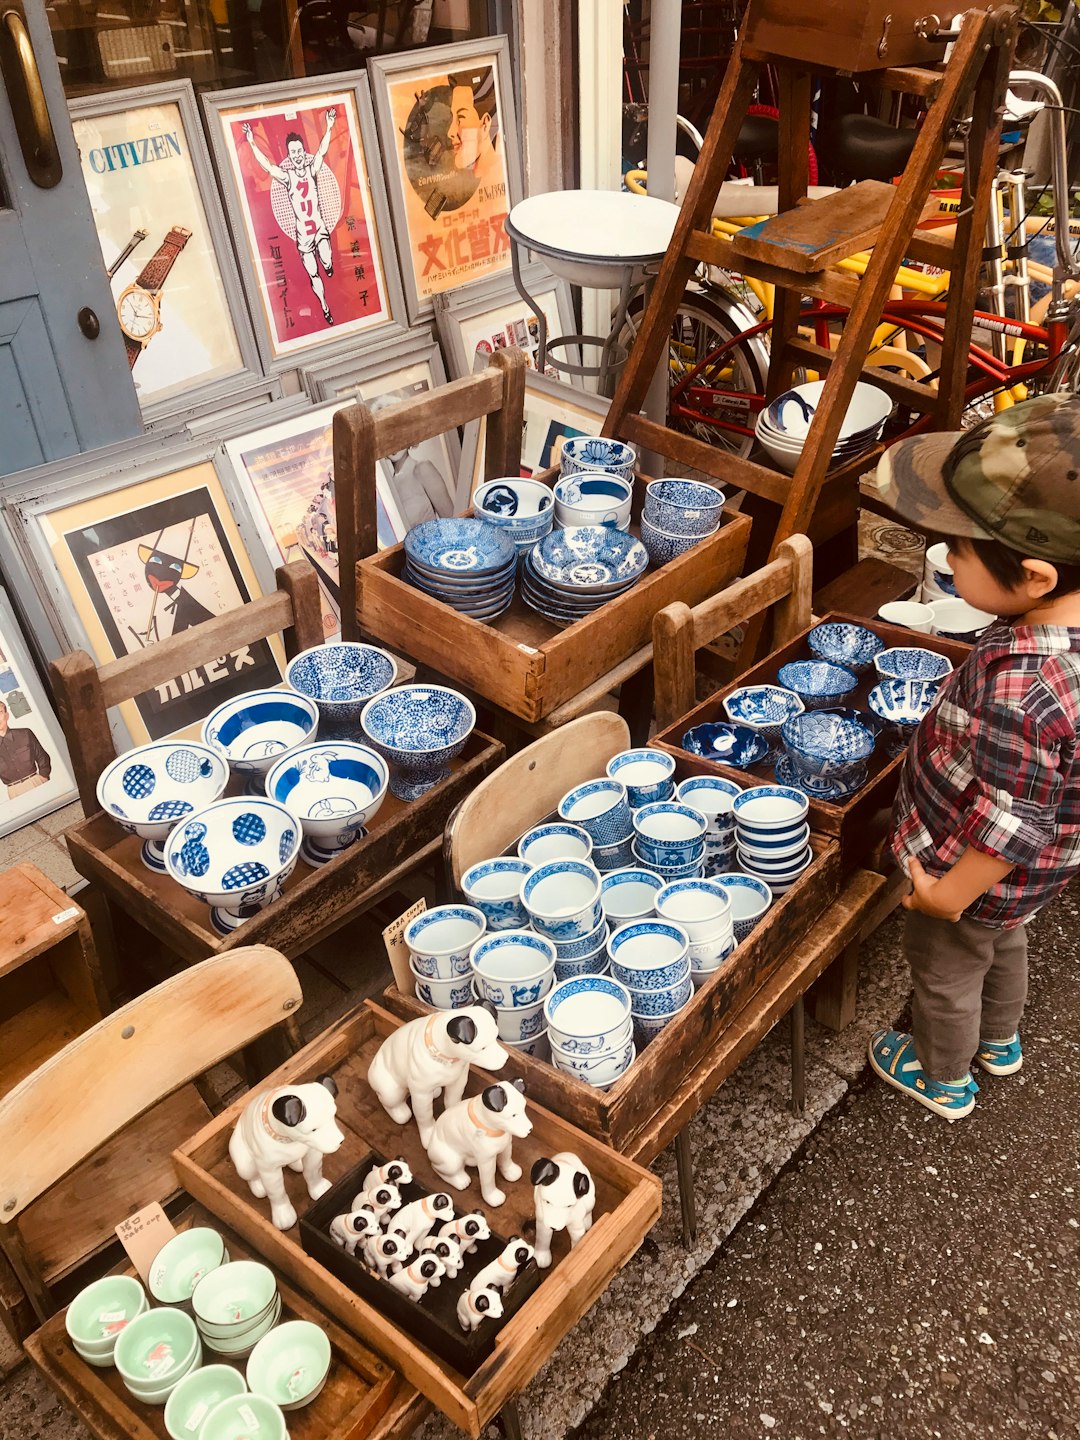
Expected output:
(71, 913)
(396, 949)
(142, 1236)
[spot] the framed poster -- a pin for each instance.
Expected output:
(150, 558)
(453, 162)
(299, 169)
(473, 324)
(35, 771)
(165, 245)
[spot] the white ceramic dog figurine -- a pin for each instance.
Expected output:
(448, 1251)
(386, 1253)
(413, 1279)
(433, 1055)
(475, 1305)
(501, 1273)
(383, 1199)
(564, 1196)
(295, 1126)
(394, 1172)
(415, 1220)
(348, 1230)
(467, 1230)
(479, 1132)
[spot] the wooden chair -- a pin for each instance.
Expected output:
(88, 1136)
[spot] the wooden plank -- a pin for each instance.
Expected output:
(80, 706)
(835, 285)
(30, 907)
(32, 1035)
(506, 424)
(793, 143)
(835, 992)
(933, 247)
(737, 473)
(814, 234)
(908, 392)
(864, 588)
(911, 80)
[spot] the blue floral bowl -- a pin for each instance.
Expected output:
(852, 646)
(590, 559)
(645, 773)
(513, 970)
(668, 833)
(817, 682)
(827, 747)
(563, 899)
(458, 546)
(650, 1004)
(763, 708)
(234, 856)
(151, 788)
(600, 808)
(494, 887)
(662, 546)
(595, 964)
(585, 948)
(683, 507)
(736, 745)
(595, 452)
(911, 662)
(864, 717)
(901, 704)
(649, 954)
(256, 730)
(340, 676)
(419, 729)
(333, 788)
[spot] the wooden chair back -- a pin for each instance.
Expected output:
(84, 690)
(528, 786)
(362, 439)
(679, 632)
(131, 1067)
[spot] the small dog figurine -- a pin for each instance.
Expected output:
(433, 1055)
(448, 1251)
(467, 1230)
(477, 1304)
(480, 1132)
(295, 1126)
(386, 1253)
(413, 1279)
(394, 1172)
(505, 1268)
(383, 1199)
(415, 1220)
(564, 1196)
(348, 1230)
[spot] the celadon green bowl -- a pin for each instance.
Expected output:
(156, 1349)
(239, 1347)
(244, 1417)
(159, 1394)
(99, 1314)
(233, 1298)
(183, 1261)
(290, 1365)
(196, 1395)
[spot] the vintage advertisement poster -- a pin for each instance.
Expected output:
(158, 249)
(450, 171)
(302, 179)
(150, 561)
(511, 322)
(35, 773)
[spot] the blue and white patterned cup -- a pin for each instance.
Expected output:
(563, 899)
(599, 807)
(494, 888)
(594, 452)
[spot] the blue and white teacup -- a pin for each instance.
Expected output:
(588, 1014)
(599, 807)
(714, 798)
(494, 887)
(770, 814)
(513, 968)
(587, 945)
(595, 452)
(439, 940)
(629, 894)
(515, 1022)
(595, 964)
(599, 1068)
(645, 1004)
(668, 833)
(700, 907)
(613, 857)
(750, 898)
(649, 954)
(647, 1027)
(555, 842)
(452, 994)
(563, 899)
(683, 507)
(646, 775)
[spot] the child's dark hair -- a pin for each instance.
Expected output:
(1007, 566)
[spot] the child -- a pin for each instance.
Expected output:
(987, 818)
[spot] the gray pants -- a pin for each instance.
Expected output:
(970, 985)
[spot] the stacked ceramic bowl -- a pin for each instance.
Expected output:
(562, 898)
(440, 942)
(669, 839)
(750, 898)
(826, 754)
(572, 572)
(817, 682)
(901, 706)
(629, 894)
(514, 970)
(678, 514)
(593, 498)
(647, 775)
(602, 809)
(155, 1351)
(235, 1306)
(523, 509)
(782, 426)
(842, 643)
(652, 959)
(197, 1397)
(470, 565)
(99, 1314)
(736, 745)
(597, 452)
(340, 677)
(590, 1028)
(772, 834)
(713, 797)
(703, 909)
(183, 1261)
(762, 709)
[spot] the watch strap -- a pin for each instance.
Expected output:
(157, 268)
(134, 349)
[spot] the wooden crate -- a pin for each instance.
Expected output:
(363, 1399)
(867, 36)
(313, 900)
(522, 662)
(852, 822)
(627, 1205)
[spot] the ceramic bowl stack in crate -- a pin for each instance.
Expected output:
(468, 564)
(678, 515)
(514, 970)
(783, 426)
(575, 571)
(652, 959)
(772, 835)
(523, 509)
(590, 1029)
(703, 909)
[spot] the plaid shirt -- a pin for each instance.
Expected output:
(994, 765)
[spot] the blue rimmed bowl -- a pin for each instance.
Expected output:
(780, 872)
(647, 1027)
(439, 940)
(827, 747)
(596, 452)
(563, 899)
(700, 907)
(340, 677)
(912, 662)
(817, 682)
(458, 546)
(669, 872)
(902, 704)
(600, 808)
(234, 856)
(555, 842)
(762, 708)
(150, 789)
(766, 813)
(254, 731)
(841, 643)
(629, 894)
(589, 559)
(599, 1070)
(453, 994)
(494, 888)
(595, 964)
(669, 833)
(588, 1014)
(333, 788)
(593, 498)
(514, 969)
(585, 946)
(750, 898)
(683, 507)
(649, 954)
(517, 506)
(418, 729)
(663, 547)
(668, 1000)
(647, 775)
(517, 1022)
(713, 797)
(737, 745)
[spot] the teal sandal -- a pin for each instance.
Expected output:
(892, 1054)
(1000, 1057)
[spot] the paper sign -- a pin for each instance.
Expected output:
(396, 949)
(71, 913)
(142, 1236)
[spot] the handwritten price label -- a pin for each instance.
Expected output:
(142, 1236)
(396, 949)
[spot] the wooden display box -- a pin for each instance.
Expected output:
(852, 820)
(313, 899)
(627, 1205)
(868, 36)
(522, 662)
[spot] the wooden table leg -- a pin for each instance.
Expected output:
(833, 997)
(511, 1420)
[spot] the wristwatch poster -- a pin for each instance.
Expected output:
(139, 306)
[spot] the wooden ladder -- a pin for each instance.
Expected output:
(797, 251)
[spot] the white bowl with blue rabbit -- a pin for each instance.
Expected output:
(750, 898)
(600, 1070)
(763, 708)
(668, 872)
(595, 452)
(419, 729)
(563, 899)
(841, 643)
(648, 954)
(494, 887)
(150, 789)
(647, 1027)
(513, 968)
(683, 507)
(647, 775)
(698, 906)
(670, 833)
(911, 662)
(586, 945)
(440, 940)
(599, 807)
(593, 497)
(662, 547)
(340, 676)
(613, 857)
(629, 894)
(514, 1022)
(234, 856)
(555, 841)
(254, 731)
(588, 1014)
(333, 788)
(453, 994)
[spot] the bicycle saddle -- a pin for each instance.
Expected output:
(867, 148)
(758, 139)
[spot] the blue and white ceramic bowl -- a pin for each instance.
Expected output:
(340, 676)
(829, 790)
(852, 646)
(517, 506)
(593, 498)
(599, 1070)
(683, 507)
(494, 888)
(589, 559)
(584, 947)
(333, 788)
(588, 1015)
(713, 797)
(452, 994)
(256, 730)
(647, 1027)
(825, 747)
(555, 842)
(458, 546)
(902, 704)
(817, 682)
(629, 894)
(750, 898)
(911, 662)
(441, 939)
(563, 899)
(649, 954)
(645, 1004)
(613, 857)
(537, 1045)
(762, 708)
(767, 812)
(708, 955)
(728, 744)
(955, 619)
(596, 963)
(670, 833)
(662, 547)
(419, 729)
(594, 452)
(700, 907)
(151, 788)
(778, 850)
(784, 874)
(864, 718)
(647, 775)
(669, 872)
(599, 807)
(512, 969)
(517, 1022)
(234, 856)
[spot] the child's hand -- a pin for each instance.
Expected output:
(923, 892)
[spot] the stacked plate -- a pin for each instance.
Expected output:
(468, 564)
(783, 426)
(572, 572)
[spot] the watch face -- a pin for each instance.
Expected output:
(138, 314)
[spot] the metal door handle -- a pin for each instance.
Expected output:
(28, 104)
